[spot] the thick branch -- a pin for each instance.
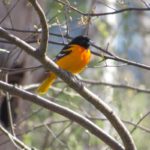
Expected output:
(88, 95)
(94, 129)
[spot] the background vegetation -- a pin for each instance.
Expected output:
(119, 73)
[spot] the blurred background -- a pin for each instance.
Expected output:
(125, 88)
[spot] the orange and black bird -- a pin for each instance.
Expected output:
(73, 58)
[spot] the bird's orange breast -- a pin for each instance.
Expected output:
(76, 61)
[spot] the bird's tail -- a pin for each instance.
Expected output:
(43, 88)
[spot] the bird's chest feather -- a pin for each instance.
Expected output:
(76, 61)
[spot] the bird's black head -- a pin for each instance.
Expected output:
(82, 41)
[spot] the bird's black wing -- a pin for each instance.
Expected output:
(64, 52)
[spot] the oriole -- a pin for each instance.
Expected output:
(72, 58)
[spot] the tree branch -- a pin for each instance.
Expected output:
(103, 14)
(94, 129)
(84, 92)
(122, 86)
(117, 58)
(14, 140)
(44, 40)
(141, 119)
(17, 41)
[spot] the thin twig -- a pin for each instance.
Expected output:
(12, 71)
(14, 139)
(58, 135)
(123, 86)
(119, 59)
(10, 118)
(103, 14)
(126, 122)
(141, 119)
(42, 17)
(9, 11)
